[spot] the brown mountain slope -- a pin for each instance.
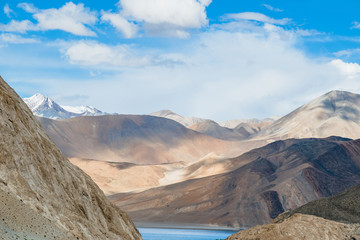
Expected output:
(137, 139)
(343, 207)
(300, 227)
(336, 113)
(280, 176)
(57, 196)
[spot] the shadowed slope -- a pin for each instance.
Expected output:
(343, 207)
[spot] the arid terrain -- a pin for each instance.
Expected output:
(262, 184)
(43, 195)
(334, 217)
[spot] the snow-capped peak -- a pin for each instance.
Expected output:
(37, 101)
(43, 106)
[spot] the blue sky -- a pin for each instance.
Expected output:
(214, 59)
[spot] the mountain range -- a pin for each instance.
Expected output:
(259, 185)
(43, 106)
(207, 173)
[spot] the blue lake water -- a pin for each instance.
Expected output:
(181, 234)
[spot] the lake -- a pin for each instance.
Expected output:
(181, 234)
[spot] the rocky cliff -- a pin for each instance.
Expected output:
(42, 195)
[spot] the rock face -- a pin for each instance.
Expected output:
(263, 183)
(55, 198)
(299, 227)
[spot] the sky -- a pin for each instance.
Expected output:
(217, 59)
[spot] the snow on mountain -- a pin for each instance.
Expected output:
(83, 110)
(43, 106)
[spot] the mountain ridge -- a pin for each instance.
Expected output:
(264, 182)
(334, 113)
(43, 106)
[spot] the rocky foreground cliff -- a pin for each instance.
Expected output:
(42, 195)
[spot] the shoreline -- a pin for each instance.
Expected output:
(185, 226)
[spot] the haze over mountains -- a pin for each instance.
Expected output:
(208, 173)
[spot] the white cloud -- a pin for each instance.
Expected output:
(7, 10)
(271, 8)
(12, 38)
(19, 26)
(172, 18)
(259, 17)
(92, 53)
(180, 13)
(71, 18)
(28, 7)
(355, 25)
(120, 23)
(349, 69)
(224, 75)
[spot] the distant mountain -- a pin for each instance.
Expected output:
(43, 106)
(213, 129)
(43, 195)
(251, 122)
(336, 113)
(140, 139)
(186, 121)
(263, 183)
